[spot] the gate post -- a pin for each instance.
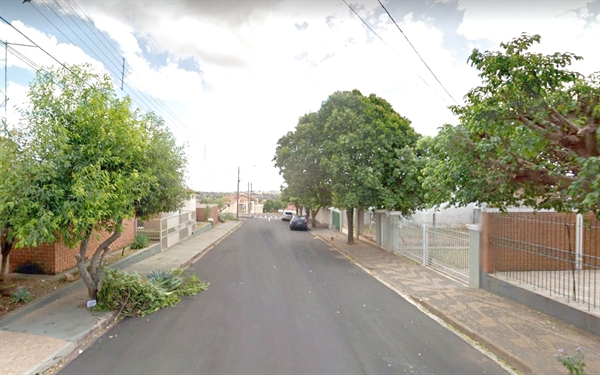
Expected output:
(425, 245)
(474, 255)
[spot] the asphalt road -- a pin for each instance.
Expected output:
(282, 302)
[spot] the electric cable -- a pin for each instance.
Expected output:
(414, 49)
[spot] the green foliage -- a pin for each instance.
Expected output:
(227, 216)
(166, 280)
(574, 363)
(141, 241)
(527, 136)
(21, 295)
(356, 151)
(220, 201)
(86, 161)
(133, 295)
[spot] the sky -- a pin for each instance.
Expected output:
(232, 77)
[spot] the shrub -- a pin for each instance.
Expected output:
(133, 295)
(141, 241)
(575, 363)
(166, 280)
(21, 295)
(227, 216)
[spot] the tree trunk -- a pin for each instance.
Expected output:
(6, 247)
(83, 272)
(350, 216)
(314, 217)
(91, 277)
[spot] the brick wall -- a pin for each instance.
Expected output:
(206, 212)
(535, 241)
(56, 258)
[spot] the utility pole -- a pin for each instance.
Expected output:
(237, 206)
(251, 195)
(248, 200)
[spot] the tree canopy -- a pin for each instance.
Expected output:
(87, 161)
(355, 152)
(527, 136)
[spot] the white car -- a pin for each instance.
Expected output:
(287, 215)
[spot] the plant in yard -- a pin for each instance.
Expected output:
(21, 295)
(574, 363)
(141, 241)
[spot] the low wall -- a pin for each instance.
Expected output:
(541, 303)
(57, 257)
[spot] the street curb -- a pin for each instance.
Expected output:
(502, 354)
(198, 256)
(512, 360)
(43, 301)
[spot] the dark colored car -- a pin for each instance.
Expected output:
(299, 222)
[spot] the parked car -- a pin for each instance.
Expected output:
(299, 222)
(287, 215)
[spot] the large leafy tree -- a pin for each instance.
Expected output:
(96, 162)
(298, 156)
(371, 156)
(11, 171)
(357, 152)
(527, 136)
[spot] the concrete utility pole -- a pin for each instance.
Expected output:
(248, 200)
(237, 206)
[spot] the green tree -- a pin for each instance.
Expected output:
(269, 206)
(298, 156)
(164, 165)
(10, 184)
(96, 163)
(527, 136)
(370, 155)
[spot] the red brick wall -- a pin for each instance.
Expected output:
(204, 213)
(536, 242)
(56, 258)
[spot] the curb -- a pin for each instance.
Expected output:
(110, 318)
(512, 360)
(198, 256)
(502, 354)
(43, 301)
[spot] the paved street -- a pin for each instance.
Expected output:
(282, 302)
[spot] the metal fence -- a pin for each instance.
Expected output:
(553, 253)
(443, 248)
(169, 230)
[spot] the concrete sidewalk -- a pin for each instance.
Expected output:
(525, 339)
(35, 338)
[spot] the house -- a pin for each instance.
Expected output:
(246, 205)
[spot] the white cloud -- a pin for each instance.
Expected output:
(258, 72)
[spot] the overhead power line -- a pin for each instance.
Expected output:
(414, 49)
(390, 47)
(43, 50)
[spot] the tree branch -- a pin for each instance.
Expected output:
(562, 119)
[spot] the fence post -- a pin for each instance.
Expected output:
(474, 255)
(378, 233)
(579, 241)
(425, 245)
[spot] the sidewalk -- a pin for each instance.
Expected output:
(525, 339)
(34, 339)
